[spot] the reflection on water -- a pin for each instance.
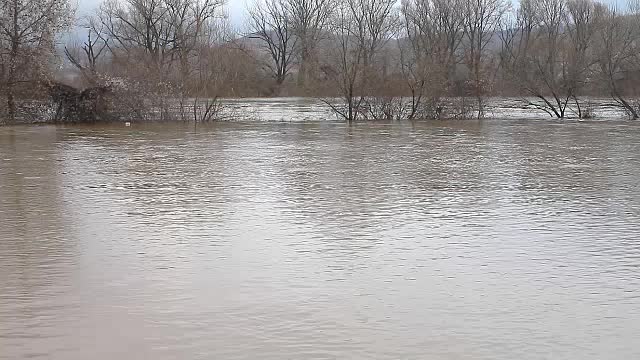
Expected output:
(451, 240)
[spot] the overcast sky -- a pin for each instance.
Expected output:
(236, 8)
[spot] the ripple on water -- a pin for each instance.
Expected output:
(484, 240)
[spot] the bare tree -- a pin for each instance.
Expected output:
(156, 42)
(549, 52)
(309, 19)
(616, 50)
(85, 57)
(270, 23)
(345, 66)
(27, 34)
(211, 69)
(160, 33)
(212, 65)
(533, 54)
(634, 64)
(482, 18)
(433, 31)
(581, 25)
(359, 30)
(137, 29)
(192, 20)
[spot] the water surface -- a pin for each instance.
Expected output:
(442, 240)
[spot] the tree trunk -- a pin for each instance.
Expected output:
(11, 79)
(478, 83)
(621, 100)
(304, 60)
(11, 104)
(13, 62)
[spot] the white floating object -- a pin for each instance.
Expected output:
(127, 124)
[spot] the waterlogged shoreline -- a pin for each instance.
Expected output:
(301, 109)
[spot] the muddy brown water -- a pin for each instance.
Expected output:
(499, 239)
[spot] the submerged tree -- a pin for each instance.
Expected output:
(28, 29)
(155, 44)
(617, 55)
(359, 30)
(481, 20)
(547, 51)
(370, 59)
(428, 45)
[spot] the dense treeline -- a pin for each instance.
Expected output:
(369, 59)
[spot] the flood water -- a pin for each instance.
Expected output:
(499, 239)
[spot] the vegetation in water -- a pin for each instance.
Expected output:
(367, 59)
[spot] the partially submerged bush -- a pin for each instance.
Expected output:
(588, 112)
(119, 100)
(404, 108)
(73, 105)
(634, 111)
(383, 108)
(200, 110)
